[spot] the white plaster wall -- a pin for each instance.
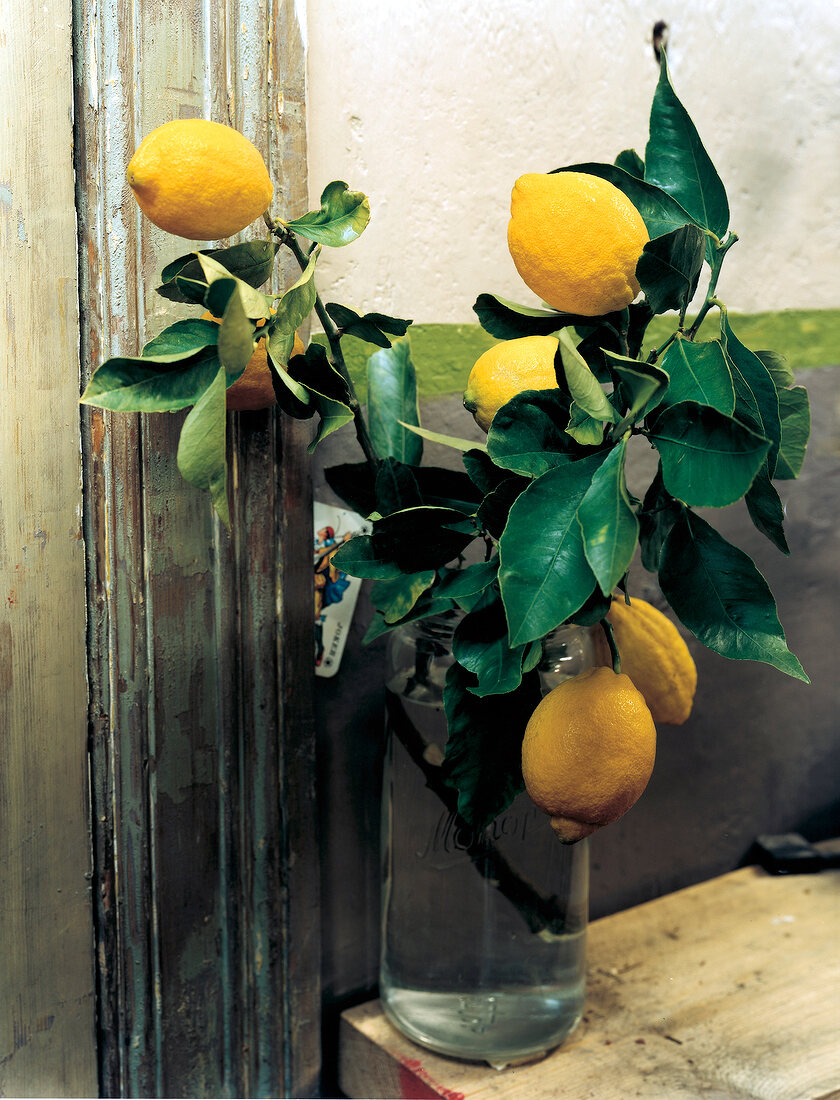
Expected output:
(434, 107)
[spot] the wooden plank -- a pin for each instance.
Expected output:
(47, 1028)
(203, 761)
(730, 990)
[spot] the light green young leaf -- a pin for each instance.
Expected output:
(445, 440)
(583, 385)
(201, 448)
(236, 338)
(583, 429)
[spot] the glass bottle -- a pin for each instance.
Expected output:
(483, 933)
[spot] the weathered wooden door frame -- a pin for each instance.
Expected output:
(200, 642)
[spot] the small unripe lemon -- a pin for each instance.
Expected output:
(588, 752)
(254, 388)
(199, 179)
(507, 369)
(575, 240)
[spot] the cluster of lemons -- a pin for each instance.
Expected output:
(589, 747)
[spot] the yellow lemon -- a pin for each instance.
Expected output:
(654, 656)
(575, 240)
(505, 370)
(199, 179)
(588, 752)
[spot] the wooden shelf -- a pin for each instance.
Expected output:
(728, 990)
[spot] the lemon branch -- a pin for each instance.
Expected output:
(287, 238)
(711, 300)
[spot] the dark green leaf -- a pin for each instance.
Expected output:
(708, 459)
(660, 212)
(480, 645)
(392, 403)
(396, 487)
(141, 385)
(472, 580)
(201, 447)
(778, 367)
(508, 320)
(698, 372)
(393, 326)
(765, 509)
(493, 513)
(640, 317)
(756, 398)
(446, 488)
(218, 278)
(360, 558)
(332, 416)
(631, 162)
(251, 261)
(593, 609)
(609, 524)
(795, 413)
(292, 396)
(354, 483)
(397, 597)
(658, 514)
(720, 596)
(419, 538)
(181, 340)
(314, 371)
(341, 218)
(482, 471)
(676, 160)
(669, 267)
(483, 751)
(544, 575)
(374, 328)
(528, 434)
(427, 605)
(584, 387)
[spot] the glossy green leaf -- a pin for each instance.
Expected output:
(392, 403)
(778, 367)
(355, 484)
(658, 514)
(528, 434)
(420, 538)
(236, 339)
(720, 596)
(583, 428)
(446, 488)
(765, 509)
(201, 447)
(544, 574)
(676, 160)
(427, 605)
(251, 261)
(669, 268)
(471, 580)
(314, 371)
(142, 385)
(341, 219)
(484, 747)
(708, 459)
(360, 558)
(480, 645)
(641, 385)
(630, 161)
(660, 212)
(397, 597)
(609, 524)
(508, 320)
(584, 387)
(445, 440)
(180, 340)
(698, 372)
(292, 396)
(482, 470)
(756, 397)
(795, 413)
(255, 304)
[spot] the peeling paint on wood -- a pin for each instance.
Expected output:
(202, 744)
(47, 1026)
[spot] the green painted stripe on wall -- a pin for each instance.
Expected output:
(444, 354)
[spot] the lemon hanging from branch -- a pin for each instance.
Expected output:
(507, 369)
(199, 179)
(575, 240)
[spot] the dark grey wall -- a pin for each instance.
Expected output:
(760, 753)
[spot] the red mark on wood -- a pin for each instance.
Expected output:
(417, 1083)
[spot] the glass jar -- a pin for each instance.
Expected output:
(483, 932)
